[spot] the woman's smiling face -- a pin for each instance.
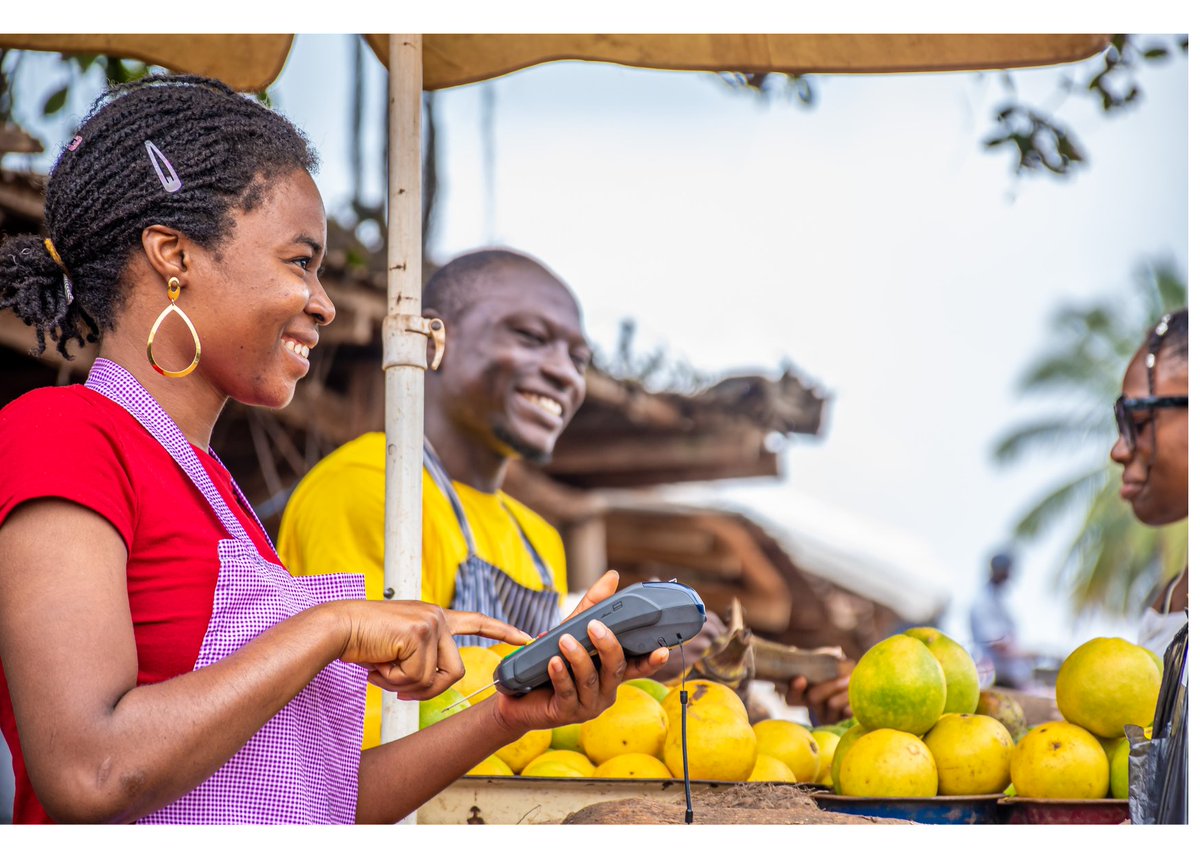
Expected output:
(256, 299)
(1155, 476)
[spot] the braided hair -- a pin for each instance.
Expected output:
(221, 151)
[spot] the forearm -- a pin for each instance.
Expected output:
(158, 742)
(396, 778)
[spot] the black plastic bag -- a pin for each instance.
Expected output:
(1158, 766)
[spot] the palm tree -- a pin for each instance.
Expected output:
(1112, 560)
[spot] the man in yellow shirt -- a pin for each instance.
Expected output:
(511, 378)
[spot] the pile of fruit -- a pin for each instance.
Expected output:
(925, 729)
(921, 728)
(640, 735)
(1104, 685)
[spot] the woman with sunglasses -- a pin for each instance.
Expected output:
(1152, 446)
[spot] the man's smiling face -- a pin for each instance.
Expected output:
(513, 373)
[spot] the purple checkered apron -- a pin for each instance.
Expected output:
(483, 587)
(302, 766)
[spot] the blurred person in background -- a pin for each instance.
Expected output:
(994, 630)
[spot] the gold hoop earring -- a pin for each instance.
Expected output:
(173, 290)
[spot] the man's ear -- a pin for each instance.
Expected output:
(165, 250)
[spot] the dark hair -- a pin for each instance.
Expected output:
(456, 285)
(105, 189)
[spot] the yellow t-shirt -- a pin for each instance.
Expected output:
(333, 523)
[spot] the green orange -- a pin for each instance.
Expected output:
(839, 753)
(1060, 760)
(889, 764)
(1118, 771)
(1107, 683)
(973, 754)
(898, 685)
(651, 687)
(962, 677)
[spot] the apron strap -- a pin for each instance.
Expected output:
(245, 504)
(481, 587)
(543, 570)
(442, 479)
(115, 383)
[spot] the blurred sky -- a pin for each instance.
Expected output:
(870, 241)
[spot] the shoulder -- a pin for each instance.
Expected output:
(340, 485)
(73, 444)
(70, 419)
(347, 472)
(365, 453)
(53, 403)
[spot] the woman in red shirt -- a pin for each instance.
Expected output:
(157, 663)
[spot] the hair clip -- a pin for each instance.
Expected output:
(172, 183)
(75, 143)
(53, 252)
(1152, 347)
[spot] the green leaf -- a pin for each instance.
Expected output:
(1155, 54)
(1048, 434)
(124, 71)
(1051, 506)
(85, 60)
(55, 102)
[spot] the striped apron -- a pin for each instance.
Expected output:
(301, 767)
(482, 587)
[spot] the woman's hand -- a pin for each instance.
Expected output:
(408, 647)
(581, 691)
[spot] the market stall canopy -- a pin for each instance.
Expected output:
(252, 62)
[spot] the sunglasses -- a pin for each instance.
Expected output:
(1125, 408)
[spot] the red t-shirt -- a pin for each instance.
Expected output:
(72, 443)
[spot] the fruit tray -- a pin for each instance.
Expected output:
(1063, 811)
(947, 809)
